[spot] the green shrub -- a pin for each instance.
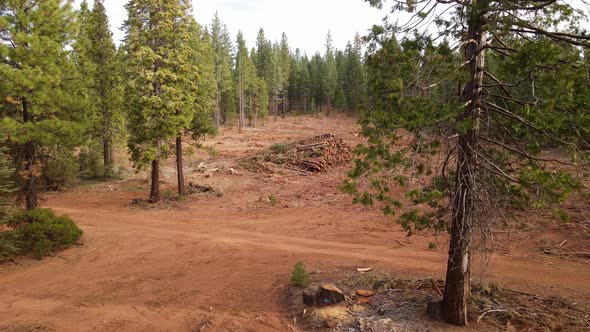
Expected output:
(44, 233)
(22, 218)
(273, 199)
(60, 171)
(91, 166)
(10, 245)
(299, 276)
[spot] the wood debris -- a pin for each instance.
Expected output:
(314, 155)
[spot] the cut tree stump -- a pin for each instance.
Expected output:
(311, 295)
(322, 295)
(434, 310)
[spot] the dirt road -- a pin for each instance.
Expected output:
(223, 263)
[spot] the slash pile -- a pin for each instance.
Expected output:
(316, 154)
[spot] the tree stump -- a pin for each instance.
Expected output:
(434, 310)
(322, 295)
(311, 296)
(330, 294)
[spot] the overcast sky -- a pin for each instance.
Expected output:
(306, 22)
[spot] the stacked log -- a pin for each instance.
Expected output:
(315, 154)
(318, 154)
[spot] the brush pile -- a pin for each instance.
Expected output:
(316, 154)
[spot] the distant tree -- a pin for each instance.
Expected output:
(222, 46)
(299, 84)
(39, 87)
(241, 76)
(285, 64)
(342, 92)
(277, 79)
(263, 56)
(205, 101)
(355, 76)
(97, 63)
(260, 101)
(318, 86)
(330, 74)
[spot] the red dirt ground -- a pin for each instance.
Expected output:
(223, 263)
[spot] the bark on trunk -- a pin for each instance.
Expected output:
(180, 167)
(155, 189)
(29, 187)
(457, 290)
(217, 110)
(255, 112)
(107, 157)
(275, 107)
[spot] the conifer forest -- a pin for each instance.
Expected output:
(173, 174)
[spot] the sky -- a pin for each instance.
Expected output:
(305, 22)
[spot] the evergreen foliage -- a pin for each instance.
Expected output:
(163, 54)
(225, 101)
(96, 57)
(478, 118)
(43, 233)
(43, 105)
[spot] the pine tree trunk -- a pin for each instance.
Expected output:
(29, 186)
(457, 290)
(180, 167)
(256, 111)
(155, 189)
(276, 105)
(107, 157)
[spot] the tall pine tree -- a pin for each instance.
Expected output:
(38, 86)
(96, 59)
(481, 118)
(162, 90)
(222, 46)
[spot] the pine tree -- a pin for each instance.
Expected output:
(222, 45)
(39, 87)
(354, 76)
(465, 109)
(277, 79)
(317, 72)
(342, 95)
(330, 74)
(285, 64)
(162, 91)
(263, 56)
(261, 101)
(96, 60)
(240, 76)
(206, 106)
(7, 185)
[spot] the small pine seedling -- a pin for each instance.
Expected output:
(299, 276)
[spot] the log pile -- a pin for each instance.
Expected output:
(316, 154)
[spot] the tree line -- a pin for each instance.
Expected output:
(69, 94)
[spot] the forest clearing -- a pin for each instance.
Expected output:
(225, 262)
(429, 173)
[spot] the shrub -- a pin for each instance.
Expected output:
(273, 199)
(91, 166)
(10, 245)
(44, 233)
(299, 276)
(22, 218)
(60, 170)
